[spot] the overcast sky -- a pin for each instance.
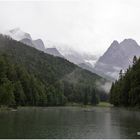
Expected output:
(86, 25)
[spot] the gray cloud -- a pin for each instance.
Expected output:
(86, 25)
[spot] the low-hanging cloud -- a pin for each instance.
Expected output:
(86, 25)
(105, 86)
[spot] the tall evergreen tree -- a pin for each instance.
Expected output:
(94, 98)
(7, 93)
(126, 90)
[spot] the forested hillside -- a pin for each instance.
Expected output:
(126, 90)
(32, 77)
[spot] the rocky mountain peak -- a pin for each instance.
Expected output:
(118, 56)
(18, 34)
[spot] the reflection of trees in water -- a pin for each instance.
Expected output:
(127, 121)
(70, 122)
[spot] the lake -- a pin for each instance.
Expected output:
(69, 122)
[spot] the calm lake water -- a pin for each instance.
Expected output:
(69, 122)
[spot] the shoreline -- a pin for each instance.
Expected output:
(100, 105)
(72, 104)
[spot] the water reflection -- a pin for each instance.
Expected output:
(69, 122)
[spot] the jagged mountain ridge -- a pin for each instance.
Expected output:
(26, 38)
(18, 35)
(60, 50)
(53, 51)
(38, 43)
(118, 56)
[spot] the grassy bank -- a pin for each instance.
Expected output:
(104, 104)
(5, 108)
(70, 104)
(101, 104)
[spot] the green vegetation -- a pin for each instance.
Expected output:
(104, 104)
(33, 78)
(126, 90)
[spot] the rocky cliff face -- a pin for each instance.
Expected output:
(19, 35)
(118, 56)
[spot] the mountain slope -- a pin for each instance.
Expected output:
(55, 49)
(19, 35)
(38, 44)
(54, 52)
(62, 80)
(118, 56)
(28, 42)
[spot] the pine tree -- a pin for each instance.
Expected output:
(134, 60)
(85, 98)
(7, 93)
(20, 97)
(94, 98)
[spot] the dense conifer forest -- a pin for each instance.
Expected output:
(32, 77)
(126, 90)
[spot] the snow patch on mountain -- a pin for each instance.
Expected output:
(18, 34)
(84, 60)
